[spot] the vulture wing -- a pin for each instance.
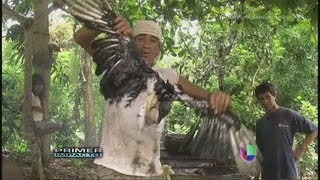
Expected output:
(123, 71)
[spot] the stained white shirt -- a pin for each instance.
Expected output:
(37, 116)
(131, 135)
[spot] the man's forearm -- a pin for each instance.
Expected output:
(198, 93)
(308, 140)
(84, 38)
(85, 35)
(193, 90)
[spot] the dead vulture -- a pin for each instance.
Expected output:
(125, 73)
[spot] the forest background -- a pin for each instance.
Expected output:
(219, 45)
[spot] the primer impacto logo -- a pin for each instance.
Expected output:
(85, 152)
(248, 153)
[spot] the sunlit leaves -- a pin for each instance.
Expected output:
(307, 8)
(62, 34)
(12, 91)
(23, 7)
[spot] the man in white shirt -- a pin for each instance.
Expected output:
(131, 143)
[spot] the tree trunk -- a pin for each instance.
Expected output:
(37, 170)
(221, 72)
(37, 54)
(42, 64)
(76, 109)
(90, 130)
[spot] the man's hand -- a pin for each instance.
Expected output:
(301, 149)
(299, 152)
(122, 26)
(219, 102)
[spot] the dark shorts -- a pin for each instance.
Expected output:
(106, 173)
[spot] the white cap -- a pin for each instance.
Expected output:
(147, 27)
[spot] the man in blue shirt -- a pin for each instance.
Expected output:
(275, 134)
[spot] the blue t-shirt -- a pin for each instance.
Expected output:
(274, 136)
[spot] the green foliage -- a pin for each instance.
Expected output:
(12, 96)
(309, 162)
(61, 107)
(77, 163)
(23, 7)
(297, 64)
(178, 113)
(306, 8)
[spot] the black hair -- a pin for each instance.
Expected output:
(37, 80)
(265, 87)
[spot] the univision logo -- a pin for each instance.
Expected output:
(248, 153)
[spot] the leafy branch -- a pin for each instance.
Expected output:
(12, 14)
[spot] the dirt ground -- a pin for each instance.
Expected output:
(82, 169)
(59, 168)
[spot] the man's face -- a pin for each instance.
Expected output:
(149, 48)
(267, 101)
